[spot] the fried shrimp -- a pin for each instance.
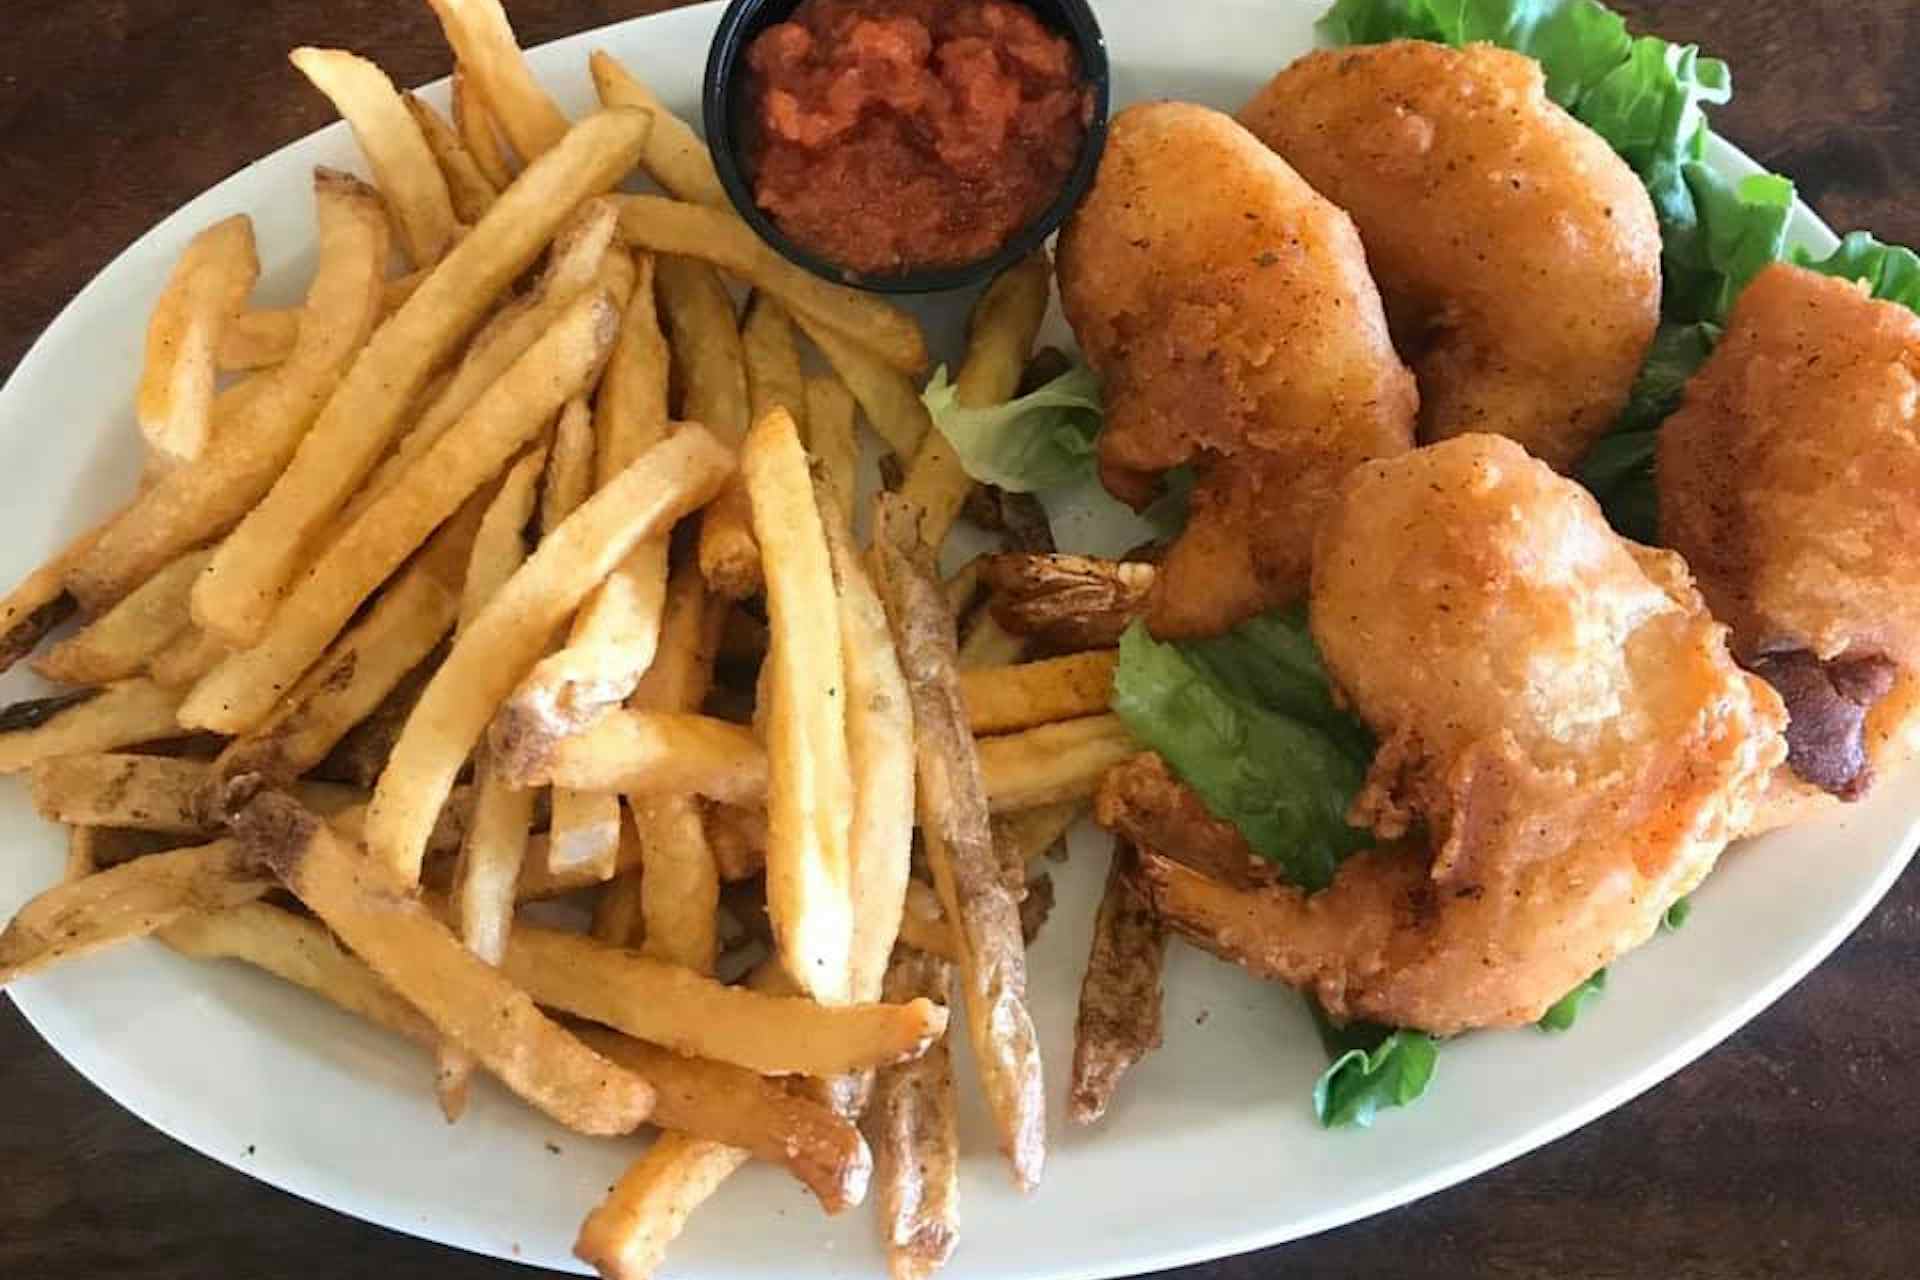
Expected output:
(1788, 480)
(1518, 255)
(1228, 309)
(1566, 747)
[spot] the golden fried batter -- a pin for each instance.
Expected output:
(1228, 309)
(1790, 480)
(1518, 255)
(1566, 748)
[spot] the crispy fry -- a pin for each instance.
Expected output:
(236, 696)
(122, 640)
(83, 858)
(257, 338)
(470, 190)
(630, 408)
(364, 902)
(1143, 802)
(1000, 334)
(1000, 699)
(671, 1006)
(174, 401)
(148, 793)
(569, 478)
(129, 901)
(665, 483)
(359, 757)
(1119, 1021)
(357, 672)
(772, 361)
(914, 1128)
(1068, 602)
(361, 418)
(720, 237)
(252, 442)
(738, 839)
(627, 1234)
(403, 164)
(482, 40)
(101, 719)
(831, 439)
(474, 122)
(959, 844)
(185, 659)
(810, 789)
(675, 157)
(41, 601)
(923, 925)
(888, 398)
(1053, 763)
(647, 753)
(538, 883)
(988, 644)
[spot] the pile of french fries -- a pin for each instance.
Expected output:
(532, 571)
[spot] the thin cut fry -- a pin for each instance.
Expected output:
(1000, 699)
(467, 1001)
(470, 190)
(83, 856)
(630, 408)
(476, 126)
(1119, 1021)
(257, 338)
(914, 1129)
(126, 902)
(675, 157)
(774, 380)
(665, 483)
(989, 644)
(360, 421)
(102, 719)
(647, 753)
(41, 601)
(1000, 335)
(924, 925)
(122, 640)
(738, 839)
(888, 398)
(675, 1008)
(627, 1234)
(483, 42)
(149, 793)
(721, 237)
(1053, 763)
(236, 695)
(174, 401)
(959, 845)
(810, 788)
(1067, 601)
(403, 164)
(252, 442)
(188, 657)
(831, 439)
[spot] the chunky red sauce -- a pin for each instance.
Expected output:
(890, 135)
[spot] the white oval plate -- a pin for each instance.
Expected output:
(1214, 1131)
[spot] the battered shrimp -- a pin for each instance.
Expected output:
(1228, 309)
(1789, 479)
(1518, 255)
(1566, 748)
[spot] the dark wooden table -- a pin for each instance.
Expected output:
(1786, 1152)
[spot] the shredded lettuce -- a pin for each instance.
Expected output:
(1565, 1011)
(1247, 719)
(1041, 440)
(1372, 1067)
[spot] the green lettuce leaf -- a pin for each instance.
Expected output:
(1391, 1072)
(1247, 720)
(1566, 1010)
(1739, 228)
(1042, 440)
(1619, 468)
(1677, 915)
(1889, 270)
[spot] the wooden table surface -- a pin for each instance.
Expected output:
(1786, 1152)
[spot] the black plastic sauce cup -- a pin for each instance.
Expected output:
(724, 107)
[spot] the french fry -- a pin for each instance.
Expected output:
(237, 695)
(774, 380)
(913, 1126)
(569, 478)
(360, 420)
(185, 659)
(359, 757)
(662, 485)
(923, 926)
(1066, 601)
(148, 793)
(1053, 763)
(482, 40)
(721, 237)
(627, 1234)
(361, 668)
(474, 122)
(831, 439)
(257, 338)
(1119, 1019)
(959, 844)
(83, 858)
(810, 788)
(675, 157)
(678, 1009)
(121, 641)
(106, 718)
(472, 193)
(174, 400)
(368, 906)
(989, 644)
(630, 407)
(41, 601)
(738, 839)
(188, 506)
(129, 901)
(888, 398)
(1000, 335)
(537, 883)
(403, 165)
(1022, 696)
(647, 753)
(1026, 834)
